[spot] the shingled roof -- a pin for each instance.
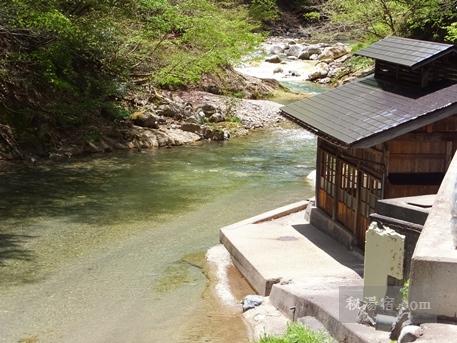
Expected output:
(368, 112)
(406, 52)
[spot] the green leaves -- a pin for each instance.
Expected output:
(199, 37)
(425, 19)
(264, 10)
(452, 33)
(62, 61)
(297, 333)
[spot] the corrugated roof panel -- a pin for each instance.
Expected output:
(406, 52)
(362, 109)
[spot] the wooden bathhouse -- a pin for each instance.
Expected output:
(390, 134)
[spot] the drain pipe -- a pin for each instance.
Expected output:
(294, 309)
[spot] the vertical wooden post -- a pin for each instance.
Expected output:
(449, 155)
(337, 187)
(385, 173)
(318, 172)
(358, 228)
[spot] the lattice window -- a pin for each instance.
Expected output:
(349, 183)
(370, 192)
(328, 173)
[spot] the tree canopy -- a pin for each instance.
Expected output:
(425, 19)
(63, 61)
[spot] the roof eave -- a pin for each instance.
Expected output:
(316, 131)
(450, 50)
(421, 121)
(434, 58)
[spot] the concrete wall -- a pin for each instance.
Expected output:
(384, 255)
(433, 283)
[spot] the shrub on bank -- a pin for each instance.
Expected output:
(297, 333)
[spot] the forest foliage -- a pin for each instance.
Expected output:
(422, 19)
(64, 61)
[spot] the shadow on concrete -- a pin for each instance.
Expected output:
(331, 247)
(11, 248)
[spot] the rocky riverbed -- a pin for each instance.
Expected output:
(189, 116)
(159, 120)
(286, 59)
(223, 105)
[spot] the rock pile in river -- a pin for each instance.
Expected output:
(329, 58)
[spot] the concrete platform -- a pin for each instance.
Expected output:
(301, 269)
(289, 248)
(438, 333)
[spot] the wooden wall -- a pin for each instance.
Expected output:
(389, 170)
(348, 184)
(425, 153)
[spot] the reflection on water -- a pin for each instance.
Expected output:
(304, 87)
(75, 237)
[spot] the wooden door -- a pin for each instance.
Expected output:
(327, 179)
(347, 197)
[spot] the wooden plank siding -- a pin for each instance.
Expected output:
(350, 181)
(427, 151)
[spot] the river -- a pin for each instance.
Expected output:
(109, 248)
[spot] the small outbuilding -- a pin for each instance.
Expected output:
(391, 134)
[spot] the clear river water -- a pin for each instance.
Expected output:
(111, 248)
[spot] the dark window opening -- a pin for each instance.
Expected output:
(416, 178)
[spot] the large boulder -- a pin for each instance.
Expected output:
(215, 134)
(216, 118)
(170, 110)
(191, 127)
(321, 70)
(208, 110)
(309, 51)
(294, 50)
(325, 80)
(331, 53)
(314, 49)
(277, 49)
(180, 137)
(273, 59)
(146, 119)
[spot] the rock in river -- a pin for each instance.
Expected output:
(320, 72)
(273, 59)
(277, 49)
(331, 53)
(294, 50)
(309, 51)
(251, 301)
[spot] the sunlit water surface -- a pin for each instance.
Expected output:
(107, 249)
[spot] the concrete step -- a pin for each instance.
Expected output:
(302, 269)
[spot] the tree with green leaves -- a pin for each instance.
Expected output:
(65, 63)
(426, 19)
(452, 33)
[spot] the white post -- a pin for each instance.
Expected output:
(454, 214)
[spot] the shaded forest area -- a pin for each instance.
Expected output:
(66, 65)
